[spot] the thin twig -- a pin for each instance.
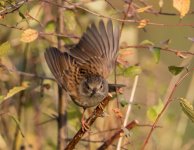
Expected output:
(22, 73)
(128, 109)
(176, 52)
(12, 27)
(181, 126)
(62, 101)
(164, 108)
(13, 7)
(59, 35)
(110, 5)
(117, 19)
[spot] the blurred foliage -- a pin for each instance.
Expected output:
(28, 27)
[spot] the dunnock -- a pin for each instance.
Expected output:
(82, 71)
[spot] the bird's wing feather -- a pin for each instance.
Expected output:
(97, 49)
(64, 68)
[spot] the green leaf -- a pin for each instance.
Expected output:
(70, 21)
(22, 15)
(1, 97)
(50, 27)
(4, 49)
(147, 42)
(175, 70)
(132, 71)
(123, 103)
(16, 90)
(151, 114)
(153, 111)
(156, 54)
(73, 112)
(187, 108)
(2, 4)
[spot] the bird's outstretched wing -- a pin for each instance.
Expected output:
(95, 54)
(97, 49)
(64, 68)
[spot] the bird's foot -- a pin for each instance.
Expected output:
(85, 126)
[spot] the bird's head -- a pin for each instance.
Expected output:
(94, 86)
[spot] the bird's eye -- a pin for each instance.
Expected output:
(101, 86)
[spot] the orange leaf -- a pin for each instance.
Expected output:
(143, 23)
(182, 6)
(123, 56)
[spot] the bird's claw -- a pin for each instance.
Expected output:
(85, 126)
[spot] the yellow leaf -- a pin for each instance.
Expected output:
(4, 48)
(3, 144)
(16, 89)
(143, 23)
(187, 108)
(140, 10)
(29, 35)
(182, 6)
(161, 3)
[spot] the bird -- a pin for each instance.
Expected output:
(83, 70)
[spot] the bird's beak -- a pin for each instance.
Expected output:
(93, 92)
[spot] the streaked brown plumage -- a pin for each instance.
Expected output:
(82, 71)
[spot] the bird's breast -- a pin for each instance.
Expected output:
(84, 101)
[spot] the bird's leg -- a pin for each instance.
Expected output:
(85, 126)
